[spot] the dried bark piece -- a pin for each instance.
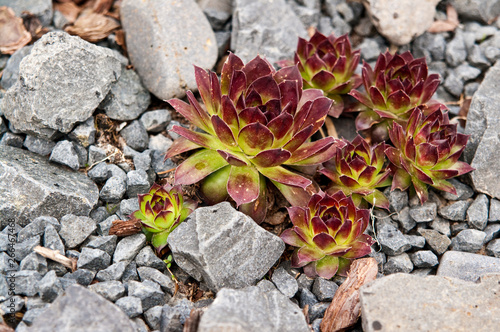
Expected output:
(93, 27)
(102, 6)
(69, 10)
(125, 227)
(56, 256)
(449, 25)
(345, 308)
(13, 34)
(191, 324)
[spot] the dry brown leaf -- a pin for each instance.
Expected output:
(120, 39)
(449, 25)
(69, 10)
(93, 27)
(13, 34)
(33, 25)
(102, 6)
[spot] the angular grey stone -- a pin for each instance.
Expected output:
(130, 273)
(415, 241)
(257, 30)
(160, 165)
(318, 310)
(49, 287)
(39, 188)
(164, 280)
(266, 285)
(6, 264)
(404, 219)
(166, 26)
(23, 249)
(110, 290)
(105, 243)
(148, 291)
(305, 282)
(434, 302)
(70, 313)
(76, 229)
(12, 306)
(82, 154)
(217, 12)
(104, 226)
(153, 317)
(130, 305)
(35, 303)
(467, 266)
(478, 10)
(469, 240)
(127, 98)
(398, 199)
(306, 297)
(392, 240)
(60, 269)
(453, 84)
(146, 257)
(494, 214)
(456, 53)
(99, 214)
(370, 50)
(143, 160)
(84, 133)
(96, 154)
(39, 145)
(112, 272)
(182, 306)
(324, 289)
(42, 9)
(457, 227)
(37, 227)
(93, 259)
(136, 136)
(439, 243)
(455, 211)
(156, 121)
(424, 213)
(100, 172)
(25, 282)
(441, 225)
(463, 191)
(249, 309)
(34, 104)
(285, 283)
(113, 190)
(429, 45)
(477, 213)
(492, 231)
(222, 38)
(493, 248)
(13, 140)
(82, 276)
(170, 319)
(398, 264)
(34, 262)
(30, 315)
(128, 247)
(424, 258)
(224, 247)
(11, 71)
(471, 88)
(52, 240)
(159, 143)
(466, 72)
(137, 183)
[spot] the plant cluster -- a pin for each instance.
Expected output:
(255, 129)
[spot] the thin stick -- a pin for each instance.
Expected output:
(100, 161)
(167, 171)
(54, 255)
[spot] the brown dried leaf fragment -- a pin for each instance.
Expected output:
(102, 6)
(125, 227)
(33, 25)
(69, 10)
(449, 25)
(345, 308)
(13, 34)
(93, 27)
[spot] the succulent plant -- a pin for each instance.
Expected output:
(358, 169)
(328, 64)
(426, 152)
(161, 210)
(329, 234)
(396, 85)
(257, 123)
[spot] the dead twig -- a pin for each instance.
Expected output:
(54, 255)
(125, 227)
(100, 161)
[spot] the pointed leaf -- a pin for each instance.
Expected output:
(198, 166)
(257, 209)
(290, 237)
(327, 267)
(232, 63)
(201, 139)
(308, 150)
(243, 184)
(223, 131)
(271, 158)
(179, 146)
(307, 254)
(296, 196)
(254, 138)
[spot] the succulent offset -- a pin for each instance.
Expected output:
(329, 234)
(358, 169)
(161, 210)
(256, 122)
(426, 153)
(396, 85)
(328, 64)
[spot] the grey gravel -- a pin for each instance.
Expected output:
(493, 248)
(11, 71)
(52, 240)
(266, 285)
(468, 240)
(82, 276)
(424, 258)
(104, 226)
(112, 272)
(398, 199)
(439, 243)
(38, 145)
(84, 133)
(93, 259)
(129, 247)
(160, 165)
(23, 249)
(285, 283)
(136, 136)
(10, 139)
(494, 214)
(463, 191)
(455, 211)
(392, 240)
(477, 213)
(453, 84)
(99, 214)
(37, 227)
(457, 227)
(105, 243)
(110, 290)
(100, 172)
(34, 262)
(306, 297)
(492, 231)
(441, 225)
(113, 190)
(49, 287)
(153, 317)
(404, 219)
(30, 315)
(164, 280)
(143, 160)
(305, 282)
(416, 241)
(96, 154)
(137, 183)
(318, 310)
(131, 305)
(130, 273)
(160, 143)
(398, 264)
(148, 291)
(146, 257)
(424, 213)
(156, 121)
(324, 289)
(64, 153)
(25, 282)
(76, 229)
(456, 52)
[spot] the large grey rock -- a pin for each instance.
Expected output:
(30, 187)
(163, 44)
(467, 266)
(435, 304)
(250, 309)
(483, 148)
(258, 30)
(477, 10)
(224, 247)
(127, 98)
(40, 8)
(81, 310)
(400, 20)
(11, 71)
(46, 98)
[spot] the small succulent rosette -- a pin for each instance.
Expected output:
(426, 153)
(256, 125)
(329, 234)
(328, 64)
(396, 85)
(358, 169)
(161, 210)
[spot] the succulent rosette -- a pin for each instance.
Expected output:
(396, 85)
(328, 64)
(329, 234)
(161, 210)
(358, 169)
(256, 124)
(426, 153)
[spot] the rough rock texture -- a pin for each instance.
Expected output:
(163, 44)
(11, 71)
(258, 30)
(467, 266)
(483, 149)
(81, 310)
(30, 187)
(46, 98)
(478, 10)
(435, 304)
(400, 20)
(250, 309)
(224, 247)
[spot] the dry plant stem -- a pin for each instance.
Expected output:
(345, 308)
(125, 227)
(56, 256)
(330, 128)
(100, 161)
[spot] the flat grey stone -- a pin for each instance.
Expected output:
(11, 71)
(153, 317)
(148, 291)
(93, 259)
(159, 143)
(404, 219)
(324, 289)
(25, 282)
(477, 213)
(156, 121)
(13, 140)
(224, 247)
(113, 190)
(266, 285)
(392, 240)
(70, 313)
(494, 214)
(146, 257)
(455, 211)
(96, 154)
(46, 100)
(128, 247)
(398, 264)
(439, 243)
(463, 191)
(470, 240)
(424, 213)
(76, 229)
(23, 249)
(285, 283)
(467, 266)
(38, 145)
(435, 302)
(177, 44)
(100, 172)
(492, 231)
(110, 290)
(137, 183)
(164, 280)
(105, 243)
(424, 258)
(143, 160)
(49, 287)
(441, 225)
(249, 309)
(130, 305)
(416, 241)
(112, 272)
(31, 187)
